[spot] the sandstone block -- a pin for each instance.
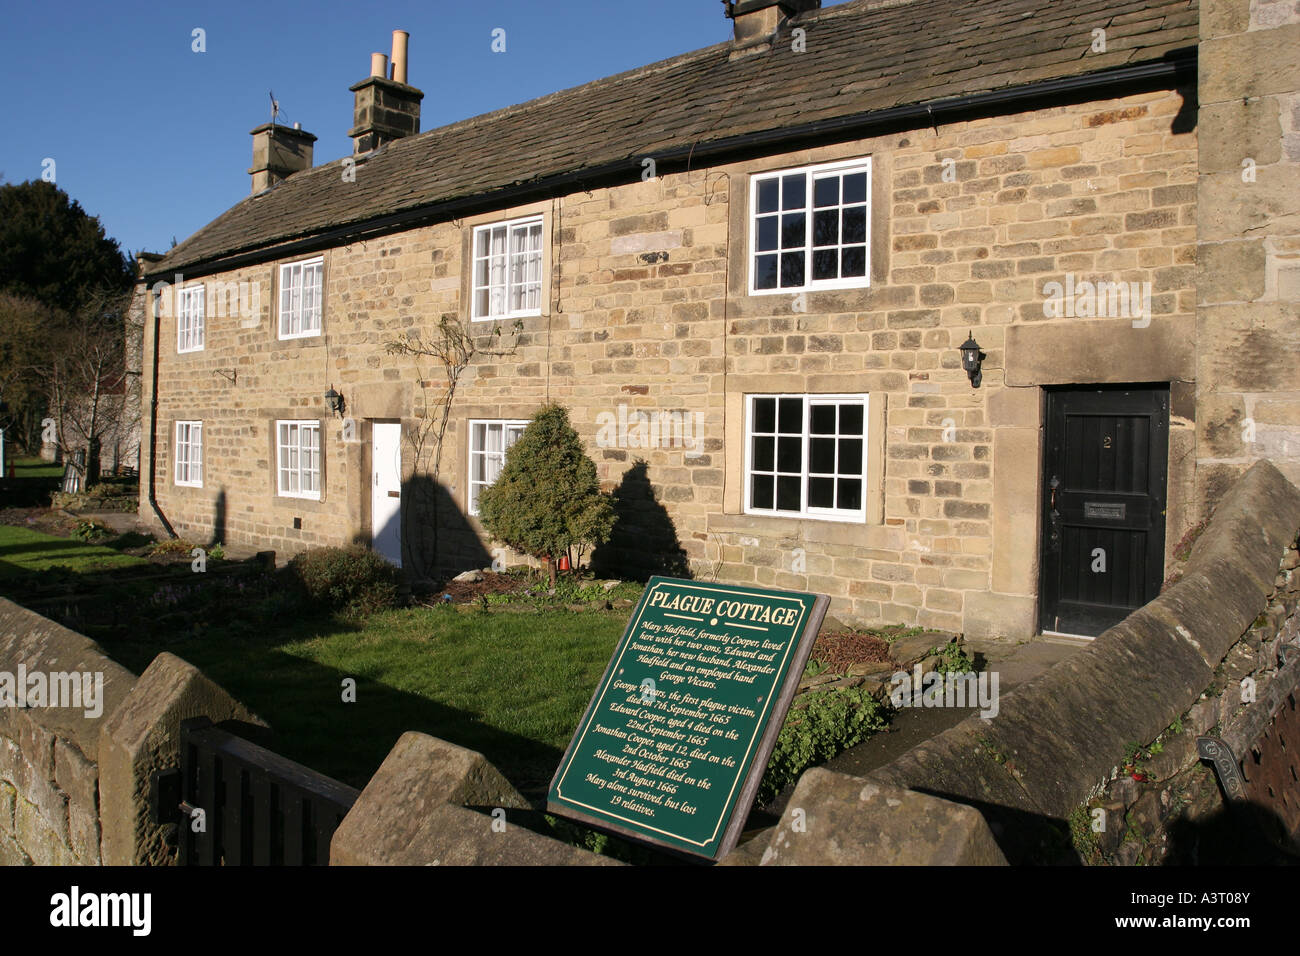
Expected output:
(853, 821)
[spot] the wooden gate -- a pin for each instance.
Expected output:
(237, 803)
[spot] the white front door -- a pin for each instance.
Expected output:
(386, 490)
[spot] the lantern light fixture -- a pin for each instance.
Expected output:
(971, 357)
(334, 400)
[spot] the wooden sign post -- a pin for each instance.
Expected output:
(674, 743)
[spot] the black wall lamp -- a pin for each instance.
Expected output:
(334, 400)
(971, 356)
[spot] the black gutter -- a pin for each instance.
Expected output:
(1168, 73)
(153, 414)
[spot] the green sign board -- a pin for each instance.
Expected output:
(673, 746)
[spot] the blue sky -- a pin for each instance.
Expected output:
(152, 137)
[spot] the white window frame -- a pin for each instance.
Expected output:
(188, 454)
(509, 226)
(506, 425)
(854, 516)
(190, 318)
(290, 308)
(290, 443)
(811, 173)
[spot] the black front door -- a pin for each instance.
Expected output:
(1106, 460)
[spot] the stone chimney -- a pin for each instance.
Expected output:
(386, 108)
(278, 153)
(755, 21)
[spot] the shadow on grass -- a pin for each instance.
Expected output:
(303, 702)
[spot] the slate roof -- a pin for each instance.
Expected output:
(862, 56)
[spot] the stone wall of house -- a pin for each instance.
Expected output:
(648, 308)
(1248, 221)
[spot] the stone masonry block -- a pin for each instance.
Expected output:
(413, 812)
(143, 736)
(852, 821)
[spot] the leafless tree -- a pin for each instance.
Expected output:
(87, 383)
(454, 349)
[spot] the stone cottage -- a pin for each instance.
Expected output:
(749, 273)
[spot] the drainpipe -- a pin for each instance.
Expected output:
(153, 418)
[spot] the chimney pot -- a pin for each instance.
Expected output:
(400, 40)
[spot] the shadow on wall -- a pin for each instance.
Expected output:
(219, 519)
(644, 541)
(1234, 835)
(436, 537)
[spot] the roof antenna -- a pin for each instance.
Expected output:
(275, 106)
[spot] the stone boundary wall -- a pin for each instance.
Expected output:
(1164, 806)
(1058, 738)
(49, 756)
(74, 780)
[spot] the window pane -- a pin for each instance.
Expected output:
(850, 456)
(821, 455)
(855, 188)
(821, 492)
(854, 261)
(794, 190)
(764, 454)
(826, 228)
(481, 239)
(792, 416)
(794, 231)
(792, 269)
(850, 419)
(767, 195)
(765, 272)
(855, 224)
(826, 264)
(788, 493)
(481, 302)
(765, 241)
(822, 419)
(789, 455)
(762, 496)
(765, 415)
(826, 191)
(850, 493)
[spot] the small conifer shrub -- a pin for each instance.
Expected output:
(547, 500)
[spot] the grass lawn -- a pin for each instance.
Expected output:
(510, 685)
(23, 551)
(36, 468)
